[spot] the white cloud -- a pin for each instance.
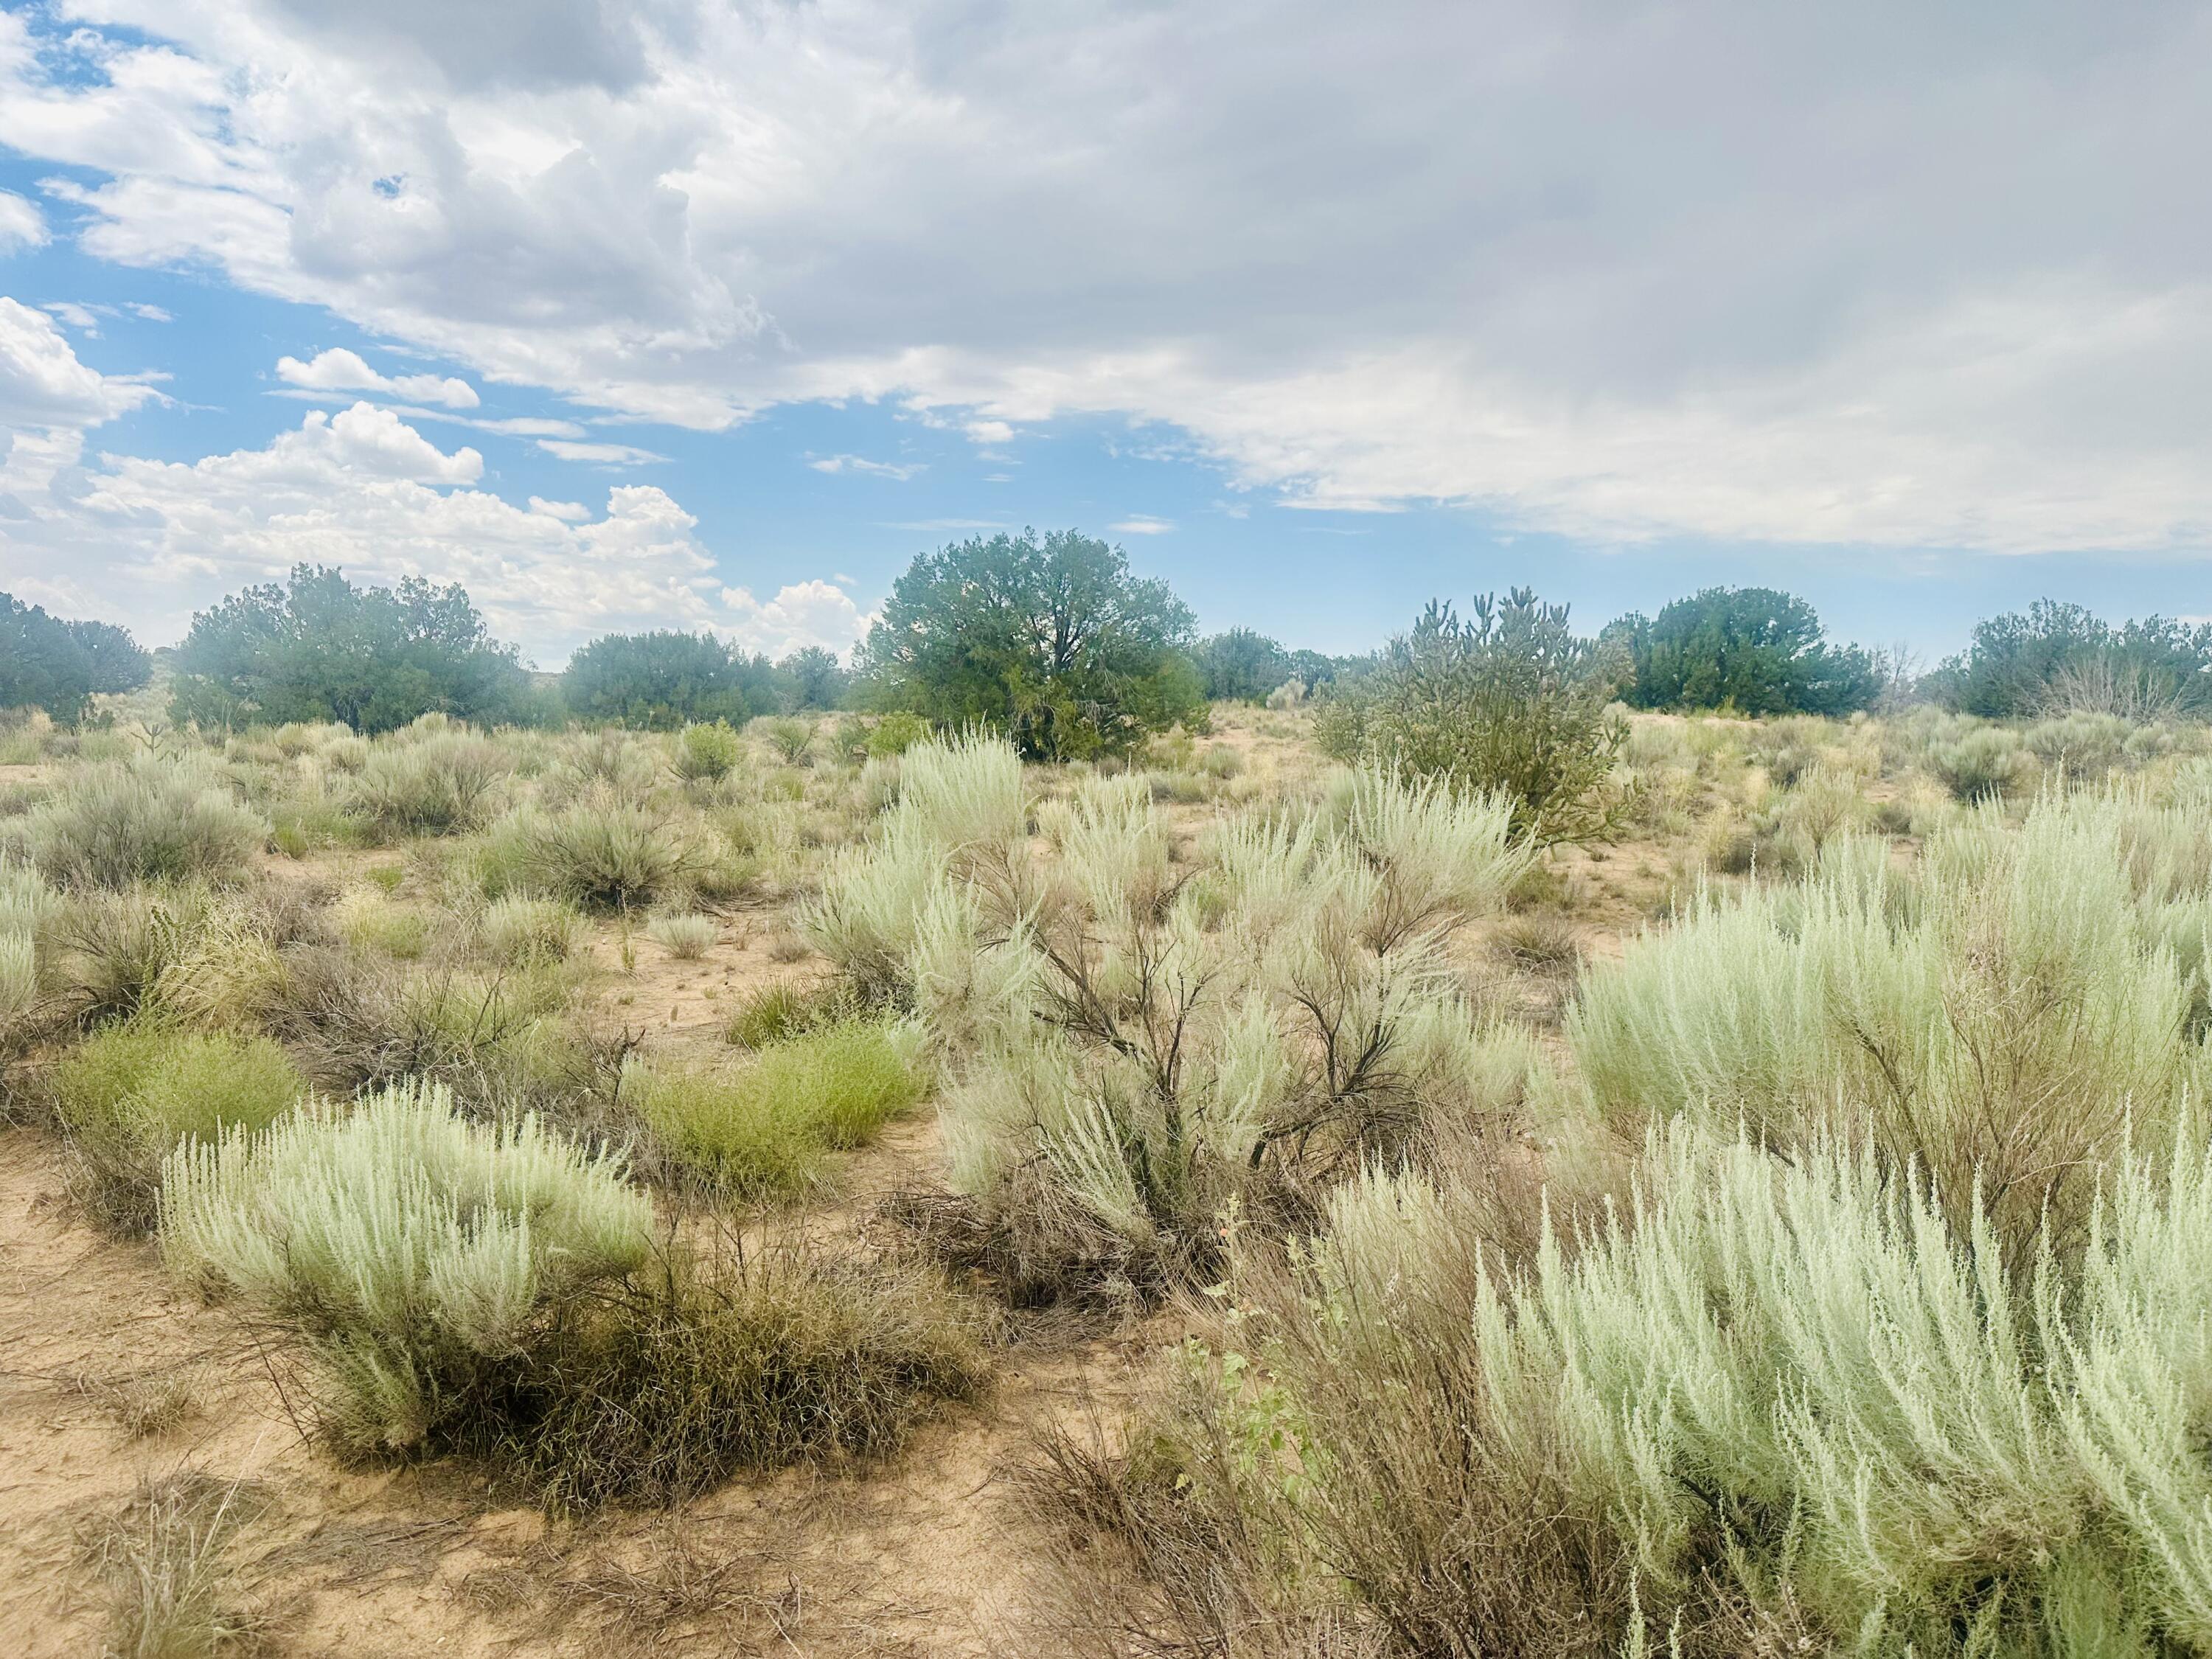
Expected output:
(22, 225)
(364, 490)
(1142, 523)
(145, 313)
(340, 370)
(530, 427)
(901, 472)
(1888, 273)
(43, 386)
(79, 317)
(599, 455)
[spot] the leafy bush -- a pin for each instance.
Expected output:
(147, 819)
(319, 649)
(434, 785)
(766, 1126)
(1053, 643)
(55, 665)
(1750, 649)
(686, 937)
(895, 733)
(1507, 702)
(127, 1096)
(416, 1254)
(708, 751)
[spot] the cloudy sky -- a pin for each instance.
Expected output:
(647, 312)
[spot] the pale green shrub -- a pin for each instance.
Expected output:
(1986, 763)
(792, 740)
(518, 931)
(1999, 1016)
(438, 784)
(767, 1126)
(2086, 746)
(601, 854)
(686, 937)
(1788, 1399)
(964, 793)
(127, 1096)
(416, 1254)
(149, 819)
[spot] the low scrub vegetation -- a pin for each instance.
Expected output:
(142, 820)
(766, 1126)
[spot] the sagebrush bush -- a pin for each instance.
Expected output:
(2000, 1016)
(126, 1095)
(1784, 1406)
(437, 784)
(145, 820)
(1986, 763)
(602, 854)
(767, 1126)
(415, 1254)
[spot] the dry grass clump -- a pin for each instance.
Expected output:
(25, 902)
(602, 854)
(147, 819)
(685, 937)
(128, 1095)
(767, 1126)
(165, 1566)
(518, 931)
(787, 1009)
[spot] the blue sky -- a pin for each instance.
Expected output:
(1890, 312)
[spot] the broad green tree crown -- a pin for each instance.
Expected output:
(1755, 650)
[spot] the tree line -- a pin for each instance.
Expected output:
(1053, 640)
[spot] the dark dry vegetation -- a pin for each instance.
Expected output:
(1592, 1182)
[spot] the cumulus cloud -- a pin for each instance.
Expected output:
(1884, 273)
(42, 383)
(363, 489)
(340, 370)
(22, 224)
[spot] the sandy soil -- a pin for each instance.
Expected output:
(922, 1556)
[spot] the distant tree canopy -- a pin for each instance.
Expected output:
(56, 665)
(1753, 649)
(1240, 665)
(1051, 642)
(2055, 657)
(660, 680)
(320, 648)
(817, 679)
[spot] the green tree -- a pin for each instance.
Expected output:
(1051, 642)
(1507, 700)
(1753, 649)
(660, 680)
(56, 665)
(320, 648)
(818, 679)
(2054, 657)
(1240, 665)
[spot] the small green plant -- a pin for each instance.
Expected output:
(520, 932)
(129, 1094)
(708, 751)
(785, 1009)
(767, 1127)
(895, 733)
